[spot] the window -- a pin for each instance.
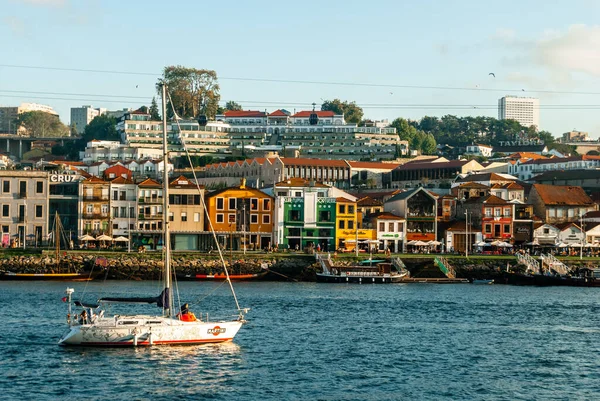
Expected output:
(22, 188)
(196, 217)
(324, 215)
(39, 187)
(38, 211)
(497, 212)
(220, 204)
(5, 229)
(115, 195)
(297, 194)
(183, 216)
(254, 204)
(488, 228)
(342, 224)
(391, 227)
(559, 212)
(253, 219)
(507, 229)
(171, 217)
(506, 212)
(488, 212)
(5, 186)
(295, 215)
(115, 212)
(350, 225)
(266, 205)
(5, 211)
(342, 209)
(232, 203)
(546, 231)
(350, 209)
(381, 226)
(266, 219)
(220, 217)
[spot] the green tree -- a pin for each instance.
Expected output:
(103, 128)
(233, 106)
(42, 125)
(428, 145)
(154, 113)
(352, 113)
(193, 91)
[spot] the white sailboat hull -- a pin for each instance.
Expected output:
(133, 331)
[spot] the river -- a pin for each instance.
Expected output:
(320, 342)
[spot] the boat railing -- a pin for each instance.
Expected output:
(554, 264)
(533, 266)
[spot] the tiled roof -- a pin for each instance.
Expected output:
(494, 200)
(149, 182)
(121, 180)
(567, 175)
(289, 161)
(419, 165)
(385, 216)
(473, 185)
(244, 113)
(526, 155)
(564, 226)
(562, 195)
(342, 199)
(279, 113)
(373, 165)
(320, 114)
(183, 182)
(299, 182)
(368, 201)
(487, 177)
(589, 215)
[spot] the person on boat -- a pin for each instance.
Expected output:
(83, 317)
(185, 314)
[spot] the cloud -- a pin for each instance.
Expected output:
(561, 53)
(15, 24)
(47, 3)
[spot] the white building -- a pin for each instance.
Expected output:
(123, 203)
(526, 110)
(479, 150)
(82, 116)
(9, 114)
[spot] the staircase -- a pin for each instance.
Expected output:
(326, 263)
(533, 266)
(555, 264)
(444, 266)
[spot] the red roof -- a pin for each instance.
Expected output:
(320, 114)
(291, 161)
(244, 113)
(278, 113)
(562, 195)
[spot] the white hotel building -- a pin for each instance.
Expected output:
(526, 110)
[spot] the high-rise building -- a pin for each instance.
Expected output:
(526, 110)
(81, 116)
(8, 116)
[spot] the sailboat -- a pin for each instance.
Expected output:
(92, 328)
(56, 274)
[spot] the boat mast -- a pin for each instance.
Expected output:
(167, 238)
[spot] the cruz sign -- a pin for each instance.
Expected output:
(63, 178)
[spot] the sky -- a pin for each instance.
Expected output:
(395, 58)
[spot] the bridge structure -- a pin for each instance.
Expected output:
(15, 145)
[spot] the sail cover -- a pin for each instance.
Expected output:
(161, 301)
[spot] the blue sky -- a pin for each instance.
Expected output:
(529, 45)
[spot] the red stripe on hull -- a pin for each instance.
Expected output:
(140, 343)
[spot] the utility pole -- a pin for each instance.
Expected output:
(244, 224)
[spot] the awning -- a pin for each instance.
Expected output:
(103, 237)
(86, 238)
(121, 239)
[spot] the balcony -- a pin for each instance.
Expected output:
(95, 198)
(151, 199)
(22, 194)
(95, 216)
(148, 216)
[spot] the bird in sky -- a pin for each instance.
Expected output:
(136, 86)
(391, 93)
(492, 74)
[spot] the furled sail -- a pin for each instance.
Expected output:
(160, 301)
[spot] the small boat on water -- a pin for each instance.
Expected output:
(57, 273)
(221, 277)
(482, 281)
(379, 273)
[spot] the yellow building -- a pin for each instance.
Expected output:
(242, 216)
(349, 227)
(186, 213)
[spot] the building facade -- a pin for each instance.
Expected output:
(525, 110)
(82, 116)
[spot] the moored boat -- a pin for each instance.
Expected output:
(380, 273)
(222, 276)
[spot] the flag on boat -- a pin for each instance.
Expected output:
(64, 299)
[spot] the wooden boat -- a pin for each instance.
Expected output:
(58, 232)
(482, 281)
(221, 276)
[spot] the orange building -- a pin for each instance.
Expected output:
(242, 217)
